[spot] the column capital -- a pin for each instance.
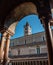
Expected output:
(6, 31)
(4, 34)
(8, 36)
(9, 32)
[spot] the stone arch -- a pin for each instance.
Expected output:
(12, 17)
(10, 23)
(18, 13)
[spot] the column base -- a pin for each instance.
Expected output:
(1, 61)
(6, 61)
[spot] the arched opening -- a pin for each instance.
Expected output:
(10, 24)
(29, 46)
(14, 16)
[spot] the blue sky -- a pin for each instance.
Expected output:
(34, 22)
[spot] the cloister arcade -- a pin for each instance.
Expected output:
(10, 14)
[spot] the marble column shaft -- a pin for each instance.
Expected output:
(3, 39)
(7, 46)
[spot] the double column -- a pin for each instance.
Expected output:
(3, 39)
(5, 42)
(6, 59)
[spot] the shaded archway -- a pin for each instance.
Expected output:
(13, 17)
(10, 23)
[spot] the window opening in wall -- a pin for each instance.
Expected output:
(38, 50)
(43, 38)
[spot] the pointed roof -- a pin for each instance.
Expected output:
(27, 24)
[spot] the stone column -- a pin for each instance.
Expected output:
(6, 59)
(49, 41)
(7, 45)
(3, 39)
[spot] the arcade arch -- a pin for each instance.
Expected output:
(11, 22)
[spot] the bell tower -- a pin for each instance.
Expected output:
(27, 29)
